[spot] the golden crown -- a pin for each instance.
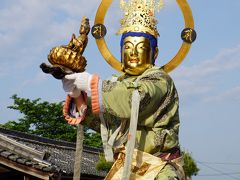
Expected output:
(140, 16)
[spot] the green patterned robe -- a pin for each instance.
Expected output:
(158, 123)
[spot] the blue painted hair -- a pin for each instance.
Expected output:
(152, 39)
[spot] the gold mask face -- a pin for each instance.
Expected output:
(136, 54)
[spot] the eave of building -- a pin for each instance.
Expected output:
(26, 169)
(59, 161)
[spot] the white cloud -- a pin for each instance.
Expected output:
(79, 8)
(231, 94)
(169, 2)
(37, 79)
(2, 73)
(19, 17)
(207, 77)
(23, 17)
(225, 60)
(30, 27)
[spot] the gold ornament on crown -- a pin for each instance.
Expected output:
(140, 16)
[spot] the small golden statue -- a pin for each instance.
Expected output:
(67, 59)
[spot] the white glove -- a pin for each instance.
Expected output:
(70, 88)
(73, 84)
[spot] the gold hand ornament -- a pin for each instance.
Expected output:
(67, 59)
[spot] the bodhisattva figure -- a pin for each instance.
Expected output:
(79, 44)
(139, 109)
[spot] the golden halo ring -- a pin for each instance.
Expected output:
(172, 64)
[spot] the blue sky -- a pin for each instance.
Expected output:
(207, 81)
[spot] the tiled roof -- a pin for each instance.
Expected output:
(59, 155)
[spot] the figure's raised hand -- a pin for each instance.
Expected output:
(70, 88)
(77, 82)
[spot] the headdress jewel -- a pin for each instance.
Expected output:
(140, 16)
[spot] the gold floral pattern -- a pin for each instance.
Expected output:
(107, 86)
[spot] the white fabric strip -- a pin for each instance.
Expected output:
(113, 136)
(108, 152)
(132, 134)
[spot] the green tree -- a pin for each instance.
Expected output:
(41, 118)
(190, 166)
(46, 119)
